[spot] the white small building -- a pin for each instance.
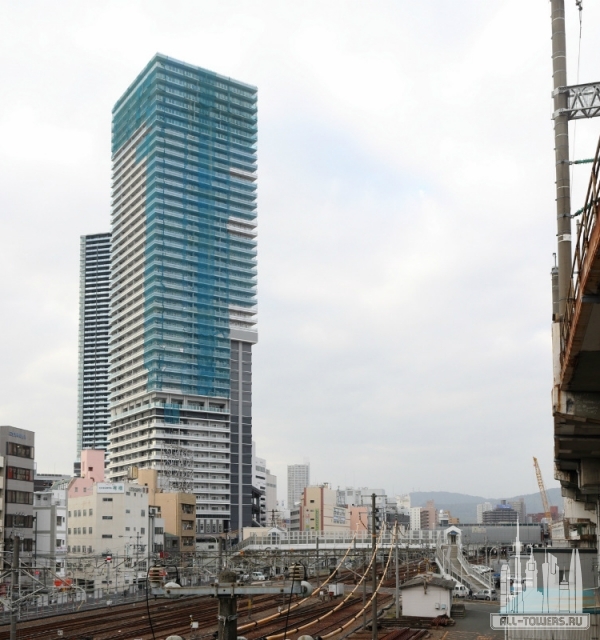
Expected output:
(427, 596)
(50, 527)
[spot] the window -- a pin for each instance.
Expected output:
(91, 512)
(187, 508)
(107, 499)
(60, 520)
(158, 530)
(142, 530)
(127, 511)
(69, 532)
(19, 450)
(126, 528)
(84, 512)
(19, 520)
(188, 541)
(19, 497)
(107, 535)
(69, 514)
(84, 530)
(18, 473)
(90, 530)
(107, 517)
(143, 512)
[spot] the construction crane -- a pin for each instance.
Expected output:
(540, 480)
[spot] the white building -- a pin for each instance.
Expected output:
(403, 502)
(112, 519)
(271, 499)
(481, 509)
(50, 530)
(427, 597)
(259, 482)
(415, 518)
(298, 479)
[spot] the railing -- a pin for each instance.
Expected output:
(589, 216)
(294, 538)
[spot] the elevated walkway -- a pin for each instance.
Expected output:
(263, 540)
(451, 561)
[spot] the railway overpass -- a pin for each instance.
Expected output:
(576, 347)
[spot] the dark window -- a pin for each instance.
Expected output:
(19, 520)
(17, 473)
(19, 450)
(19, 497)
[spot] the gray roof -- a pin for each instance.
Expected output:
(433, 581)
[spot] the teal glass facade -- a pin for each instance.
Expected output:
(198, 147)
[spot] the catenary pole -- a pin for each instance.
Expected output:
(13, 587)
(561, 151)
(374, 568)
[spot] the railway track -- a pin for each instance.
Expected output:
(125, 621)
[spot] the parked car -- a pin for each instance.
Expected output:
(460, 591)
(485, 594)
(257, 576)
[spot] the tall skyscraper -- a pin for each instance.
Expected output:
(183, 295)
(298, 480)
(92, 394)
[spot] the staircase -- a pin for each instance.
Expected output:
(451, 561)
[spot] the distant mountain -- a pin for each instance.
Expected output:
(464, 506)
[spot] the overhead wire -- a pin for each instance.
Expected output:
(278, 636)
(375, 592)
(256, 623)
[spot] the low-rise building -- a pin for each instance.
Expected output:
(16, 475)
(320, 511)
(429, 516)
(50, 527)
(113, 520)
(427, 596)
(502, 514)
(178, 511)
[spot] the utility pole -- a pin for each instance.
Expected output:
(561, 151)
(364, 564)
(374, 544)
(397, 575)
(317, 568)
(13, 587)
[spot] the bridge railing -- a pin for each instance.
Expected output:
(587, 223)
(340, 538)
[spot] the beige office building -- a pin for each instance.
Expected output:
(178, 512)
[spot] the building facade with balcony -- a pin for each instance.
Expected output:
(183, 284)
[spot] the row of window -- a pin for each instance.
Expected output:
(77, 531)
(19, 520)
(77, 513)
(19, 497)
(19, 450)
(18, 473)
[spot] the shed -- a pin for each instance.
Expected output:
(427, 596)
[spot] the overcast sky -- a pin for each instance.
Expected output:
(406, 221)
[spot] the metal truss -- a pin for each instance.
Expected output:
(583, 101)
